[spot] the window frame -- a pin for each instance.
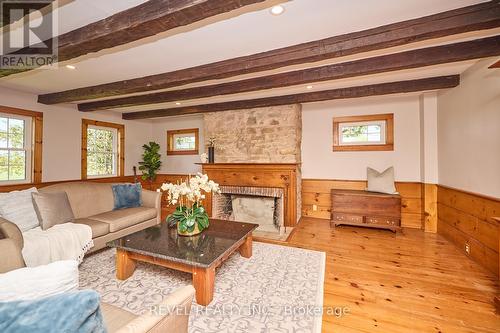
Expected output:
(120, 159)
(33, 136)
(387, 118)
(170, 141)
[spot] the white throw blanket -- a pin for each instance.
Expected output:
(68, 241)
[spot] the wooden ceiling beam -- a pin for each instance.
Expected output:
(471, 18)
(405, 60)
(433, 83)
(495, 65)
(145, 20)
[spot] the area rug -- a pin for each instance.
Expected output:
(279, 289)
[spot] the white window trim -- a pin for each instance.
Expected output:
(28, 148)
(381, 123)
(115, 151)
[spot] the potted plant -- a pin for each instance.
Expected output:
(190, 216)
(151, 162)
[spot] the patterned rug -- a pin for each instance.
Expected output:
(274, 291)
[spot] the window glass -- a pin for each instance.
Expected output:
(102, 151)
(362, 133)
(15, 149)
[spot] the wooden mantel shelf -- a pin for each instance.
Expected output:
(247, 164)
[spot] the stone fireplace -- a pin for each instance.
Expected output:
(257, 163)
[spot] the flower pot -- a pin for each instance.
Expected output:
(195, 231)
(211, 155)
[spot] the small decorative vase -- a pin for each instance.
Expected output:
(211, 156)
(195, 231)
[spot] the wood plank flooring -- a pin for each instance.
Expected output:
(409, 282)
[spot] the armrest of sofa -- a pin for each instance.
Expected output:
(152, 199)
(11, 231)
(11, 246)
(172, 315)
(11, 257)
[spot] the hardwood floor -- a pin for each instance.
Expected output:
(409, 282)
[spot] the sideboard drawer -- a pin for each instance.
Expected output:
(381, 220)
(367, 209)
(348, 218)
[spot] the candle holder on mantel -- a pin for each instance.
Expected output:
(211, 150)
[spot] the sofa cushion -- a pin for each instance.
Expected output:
(98, 228)
(52, 208)
(123, 218)
(127, 195)
(31, 283)
(86, 198)
(115, 318)
(17, 207)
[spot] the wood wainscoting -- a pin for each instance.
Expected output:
(467, 218)
(18, 187)
(317, 192)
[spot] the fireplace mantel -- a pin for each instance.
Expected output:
(280, 175)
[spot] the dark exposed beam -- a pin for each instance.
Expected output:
(440, 82)
(410, 59)
(144, 20)
(495, 65)
(471, 18)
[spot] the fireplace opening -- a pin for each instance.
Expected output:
(259, 205)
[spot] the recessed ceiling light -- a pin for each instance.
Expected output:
(70, 67)
(277, 10)
(309, 87)
(177, 103)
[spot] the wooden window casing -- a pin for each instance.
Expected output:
(121, 145)
(170, 142)
(36, 140)
(389, 133)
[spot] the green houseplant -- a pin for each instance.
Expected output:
(151, 161)
(190, 216)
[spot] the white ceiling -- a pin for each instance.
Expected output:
(303, 20)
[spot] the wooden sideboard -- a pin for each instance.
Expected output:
(367, 209)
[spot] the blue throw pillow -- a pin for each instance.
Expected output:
(77, 312)
(127, 195)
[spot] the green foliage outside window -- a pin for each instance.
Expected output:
(12, 149)
(101, 152)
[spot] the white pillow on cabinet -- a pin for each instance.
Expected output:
(382, 182)
(17, 207)
(31, 283)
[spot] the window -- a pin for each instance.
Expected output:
(20, 146)
(102, 149)
(363, 133)
(182, 142)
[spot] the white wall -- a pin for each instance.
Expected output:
(178, 163)
(428, 138)
(318, 159)
(62, 129)
(469, 131)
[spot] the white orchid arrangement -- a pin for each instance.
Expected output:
(188, 195)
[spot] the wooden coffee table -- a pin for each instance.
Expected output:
(199, 255)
